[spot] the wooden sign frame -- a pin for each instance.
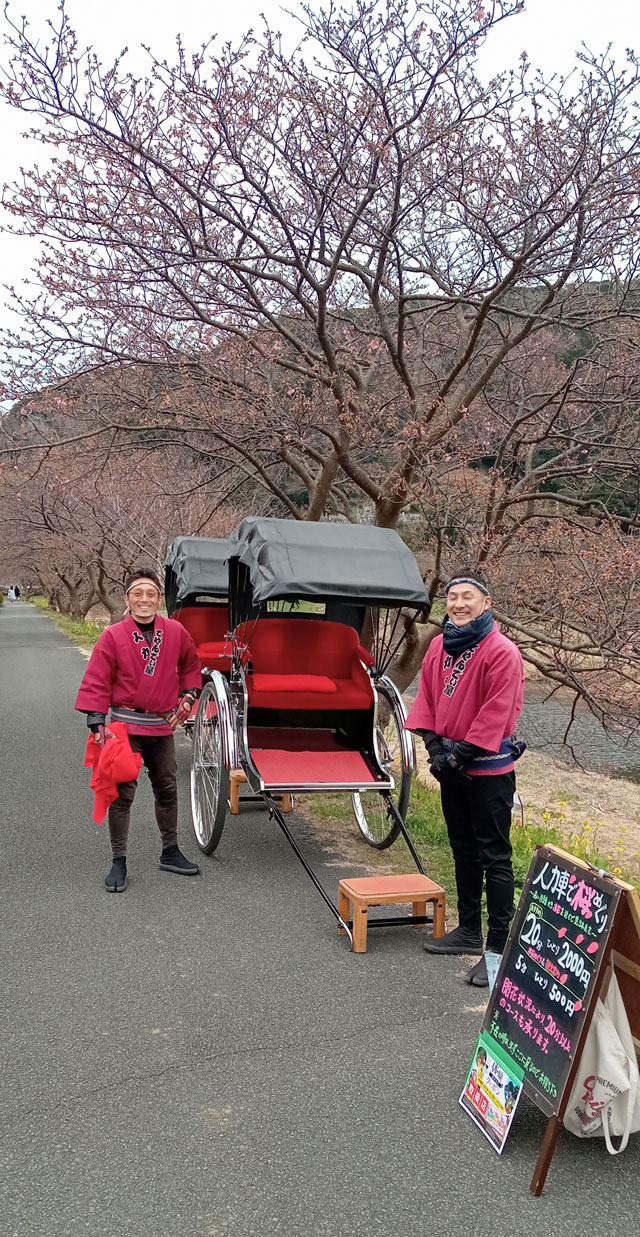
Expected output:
(621, 949)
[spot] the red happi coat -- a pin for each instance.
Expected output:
(125, 672)
(476, 696)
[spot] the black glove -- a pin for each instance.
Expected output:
(95, 721)
(464, 752)
(438, 766)
(432, 742)
(452, 771)
(437, 754)
(457, 759)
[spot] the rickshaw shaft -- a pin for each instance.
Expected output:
(275, 812)
(402, 827)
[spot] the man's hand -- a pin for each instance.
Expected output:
(102, 735)
(435, 751)
(180, 715)
(456, 760)
(437, 765)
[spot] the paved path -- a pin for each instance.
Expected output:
(205, 1057)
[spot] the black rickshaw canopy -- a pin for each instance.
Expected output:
(196, 565)
(278, 560)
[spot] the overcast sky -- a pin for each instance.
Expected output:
(549, 30)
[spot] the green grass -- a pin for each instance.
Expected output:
(428, 832)
(77, 629)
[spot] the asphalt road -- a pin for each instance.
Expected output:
(205, 1057)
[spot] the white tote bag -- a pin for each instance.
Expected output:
(605, 1098)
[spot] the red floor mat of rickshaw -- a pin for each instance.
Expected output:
(311, 768)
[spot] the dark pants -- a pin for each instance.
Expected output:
(159, 756)
(478, 816)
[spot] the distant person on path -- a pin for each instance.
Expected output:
(16, 592)
(147, 671)
(469, 700)
(11, 594)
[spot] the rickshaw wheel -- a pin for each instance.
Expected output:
(374, 822)
(209, 777)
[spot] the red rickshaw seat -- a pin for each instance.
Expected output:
(307, 664)
(208, 627)
(216, 654)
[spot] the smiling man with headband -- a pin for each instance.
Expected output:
(147, 672)
(469, 700)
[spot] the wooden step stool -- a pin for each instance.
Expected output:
(236, 778)
(363, 892)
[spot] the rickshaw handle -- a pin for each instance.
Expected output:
(275, 811)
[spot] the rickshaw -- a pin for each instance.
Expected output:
(196, 592)
(291, 696)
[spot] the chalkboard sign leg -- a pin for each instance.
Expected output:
(546, 1154)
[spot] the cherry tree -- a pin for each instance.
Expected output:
(359, 273)
(327, 217)
(78, 524)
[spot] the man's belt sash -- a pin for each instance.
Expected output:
(511, 750)
(136, 717)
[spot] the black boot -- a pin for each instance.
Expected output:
(173, 860)
(477, 976)
(116, 879)
(460, 941)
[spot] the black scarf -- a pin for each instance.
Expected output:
(458, 639)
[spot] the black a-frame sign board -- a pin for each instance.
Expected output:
(572, 921)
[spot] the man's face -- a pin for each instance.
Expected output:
(465, 602)
(144, 600)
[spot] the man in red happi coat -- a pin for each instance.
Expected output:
(469, 700)
(147, 672)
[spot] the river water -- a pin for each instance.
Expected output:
(543, 724)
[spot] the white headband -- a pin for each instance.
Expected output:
(141, 580)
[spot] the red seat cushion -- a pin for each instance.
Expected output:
(348, 695)
(291, 683)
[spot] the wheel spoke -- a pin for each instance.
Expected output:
(371, 812)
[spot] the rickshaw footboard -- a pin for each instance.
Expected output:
(337, 768)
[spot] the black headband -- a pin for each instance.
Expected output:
(467, 580)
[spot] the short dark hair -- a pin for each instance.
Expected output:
(469, 573)
(142, 574)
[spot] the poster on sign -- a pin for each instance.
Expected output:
(546, 982)
(492, 1091)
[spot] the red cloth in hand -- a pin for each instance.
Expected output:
(112, 762)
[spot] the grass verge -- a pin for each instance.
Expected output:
(428, 831)
(77, 629)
